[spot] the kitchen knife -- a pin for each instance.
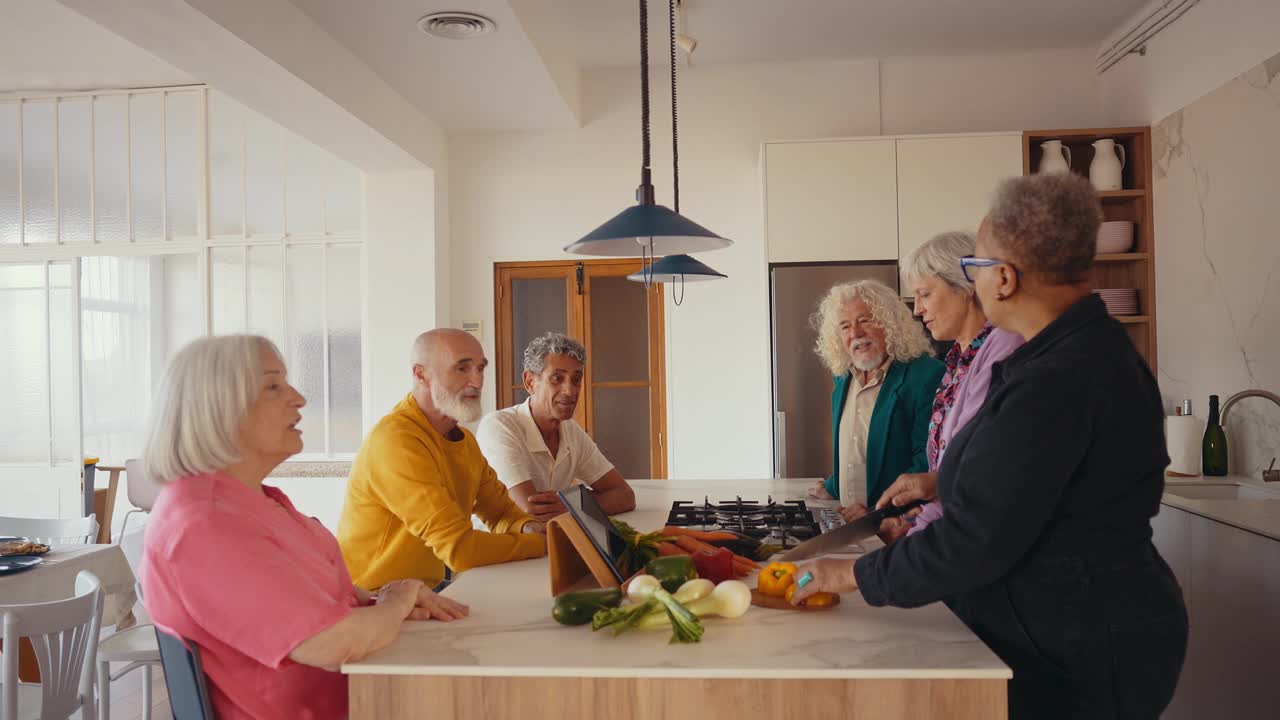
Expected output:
(847, 534)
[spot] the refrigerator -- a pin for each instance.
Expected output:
(802, 385)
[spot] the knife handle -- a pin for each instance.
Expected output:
(892, 510)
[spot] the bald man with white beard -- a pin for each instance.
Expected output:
(419, 477)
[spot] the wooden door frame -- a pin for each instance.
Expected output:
(579, 325)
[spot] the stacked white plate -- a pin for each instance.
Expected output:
(1115, 237)
(1120, 301)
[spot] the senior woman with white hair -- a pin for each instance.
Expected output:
(229, 565)
(1049, 491)
(949, 307)
(885, 378)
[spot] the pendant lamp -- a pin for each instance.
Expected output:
(646, 227)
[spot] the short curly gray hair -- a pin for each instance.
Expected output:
(940, 258)
(1049, 223)
(553, 343)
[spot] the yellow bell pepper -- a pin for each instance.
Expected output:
(776, 578)
(819, 599)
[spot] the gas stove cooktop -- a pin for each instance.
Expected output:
(775, 523)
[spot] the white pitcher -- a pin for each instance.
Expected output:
(1106, 170)
(1054, 158)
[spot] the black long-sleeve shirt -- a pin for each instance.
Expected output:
(1065, 458)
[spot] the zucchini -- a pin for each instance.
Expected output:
(577, 608)
(672, 571)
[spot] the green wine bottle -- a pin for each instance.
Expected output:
(1214, 447)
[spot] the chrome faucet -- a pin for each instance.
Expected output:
(1269, 474)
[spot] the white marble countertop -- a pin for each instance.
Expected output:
(1256, 516)
(510, 631)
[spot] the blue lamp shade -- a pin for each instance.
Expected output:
(632, 229)
(676, 267)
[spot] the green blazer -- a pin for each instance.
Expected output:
(899, 425)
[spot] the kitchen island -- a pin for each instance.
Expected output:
(509, 659)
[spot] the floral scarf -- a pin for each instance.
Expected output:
(957, 362)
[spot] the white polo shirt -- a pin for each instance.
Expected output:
(514, 447)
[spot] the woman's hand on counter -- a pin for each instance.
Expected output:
(852, 512)
(909, 487)
(829, 575)
(535, 527)
(430, 606)
(818, 491)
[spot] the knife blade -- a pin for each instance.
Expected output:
(847, 534)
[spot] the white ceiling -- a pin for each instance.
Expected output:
(497, 82)
(525, 76)
(774, 30)
(45, 46)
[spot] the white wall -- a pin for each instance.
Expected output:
(404, 257)
(523, 196)
(1217, 166)
(1212, 43)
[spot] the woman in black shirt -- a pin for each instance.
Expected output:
(1044, 549)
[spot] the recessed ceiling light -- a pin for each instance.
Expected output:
(456, 25)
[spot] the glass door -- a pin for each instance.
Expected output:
(620, 323)
(40, 455)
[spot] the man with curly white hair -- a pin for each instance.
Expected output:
(885, 380)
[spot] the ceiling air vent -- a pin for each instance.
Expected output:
(456, 25)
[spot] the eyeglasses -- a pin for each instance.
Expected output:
(969, 261)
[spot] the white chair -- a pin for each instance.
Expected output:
(63, 634)
(136, 646)
(52, 531)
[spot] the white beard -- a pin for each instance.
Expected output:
(869, 365)
(457, 406)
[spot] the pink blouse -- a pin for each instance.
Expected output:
(247, 578)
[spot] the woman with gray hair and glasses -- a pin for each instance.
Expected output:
(1045, 546)
(945, 300)
(230, 565)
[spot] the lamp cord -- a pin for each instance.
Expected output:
(675, 137)
(644, 85)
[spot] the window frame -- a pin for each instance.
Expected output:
(202, 245)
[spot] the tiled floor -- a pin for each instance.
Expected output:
(126, 697)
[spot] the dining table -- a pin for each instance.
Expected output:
(55, 578)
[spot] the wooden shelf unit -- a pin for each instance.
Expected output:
(1135, 269)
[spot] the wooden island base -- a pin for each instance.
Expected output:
(384, 697)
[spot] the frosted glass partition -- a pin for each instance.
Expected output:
(263, 176)
(38, 177)
(146, 168)
(226, 169)
(24, 425)
(306, 187)
(179, 212)
(266, 292)
(343, 291)
(304, 345)
(10, 218)
(227, 291)
(182, 163)
(111, 168)
(75, 135)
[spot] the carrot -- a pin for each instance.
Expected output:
(693, 545)
(669, 548)
(703, 535)
(742, 567)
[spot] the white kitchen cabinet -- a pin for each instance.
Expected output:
(1231, 581)
(831, 200)
(946, 183)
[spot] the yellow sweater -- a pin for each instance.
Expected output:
(409, 503)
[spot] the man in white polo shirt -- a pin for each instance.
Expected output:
(536, 447)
